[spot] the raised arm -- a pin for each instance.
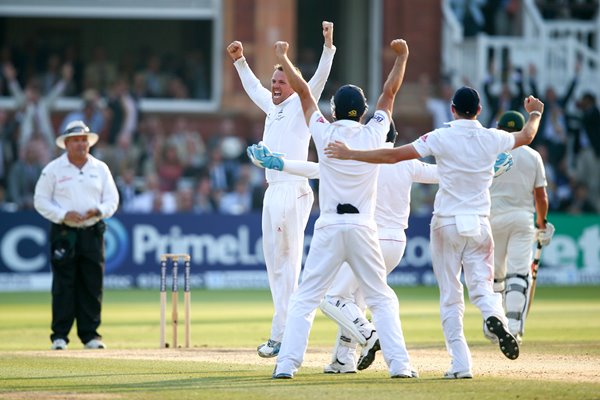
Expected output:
(534, 108)
(318, 80)
(309, 104)
(395, 77)
(260, 95)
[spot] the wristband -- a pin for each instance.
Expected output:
(535, 112)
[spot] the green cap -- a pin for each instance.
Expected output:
(511, 121)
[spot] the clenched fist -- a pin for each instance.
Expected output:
(400, 47)
(281, 48)
(235, 50)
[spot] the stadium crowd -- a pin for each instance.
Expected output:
(174, 167)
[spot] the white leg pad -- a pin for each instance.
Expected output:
(336, 313)
(516, 296)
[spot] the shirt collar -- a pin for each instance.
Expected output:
(467, 123)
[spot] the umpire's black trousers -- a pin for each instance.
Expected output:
(77, 259)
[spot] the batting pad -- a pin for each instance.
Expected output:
(338, 316)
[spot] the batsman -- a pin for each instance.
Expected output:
(516, 195)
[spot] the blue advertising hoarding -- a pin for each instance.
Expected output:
(226, 251)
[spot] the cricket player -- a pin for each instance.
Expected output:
(346, 230)
(461, 238)
(288, 198)
(344, 302)
(516, 195)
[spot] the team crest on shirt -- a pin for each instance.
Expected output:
(280, 115)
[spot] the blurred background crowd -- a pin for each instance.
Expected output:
(173, 163)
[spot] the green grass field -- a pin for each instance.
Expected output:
(560, 358)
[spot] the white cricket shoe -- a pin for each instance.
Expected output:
(406, 375)
(59, 344)
(95, 344)
(269, 349)
(338, 367)
(458, 375)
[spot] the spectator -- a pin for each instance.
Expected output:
(185, 198)
(34, 109)
(5, 205)
(195, 74)
(24, 174)
(91, 113)
(152, 200)
(221, 177)
(128, 189)
(115, 147)
(509, 96)
(169, 168)
(8, 144)
(100, 73)
(587, 146)
(190, 146)
(206, 200)
(437, 102)
(238, 201)
(156, 80)
(553, 127)
(580, 203)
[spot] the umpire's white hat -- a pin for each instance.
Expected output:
(76, 128)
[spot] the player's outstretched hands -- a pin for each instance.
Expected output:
(328, 33)
(262, 157)
(400, 47)
(337, 149)
(281, 48)
(533, 104)
(235, 50)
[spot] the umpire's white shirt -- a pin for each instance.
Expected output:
(348, 181)
(63, 187)
(513, 190)
(285, 125)
(465, 153)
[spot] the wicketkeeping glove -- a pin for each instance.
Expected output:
(544, 236)
(261, 156)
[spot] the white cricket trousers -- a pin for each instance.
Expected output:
(513, 238)
(286, 209)
(345, 286)
(330, 247)
(452, 253)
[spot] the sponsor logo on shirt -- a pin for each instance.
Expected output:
(64, 179)
(424, 138)
(321, 120)
(378, 118)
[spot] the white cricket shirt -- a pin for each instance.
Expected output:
(63, 187)
(465, 154)
(393, 191)
(285, 125)
(348, 181)
(513, 190)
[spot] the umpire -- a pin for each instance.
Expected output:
(76, 192)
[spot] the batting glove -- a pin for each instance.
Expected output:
(544, 236)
